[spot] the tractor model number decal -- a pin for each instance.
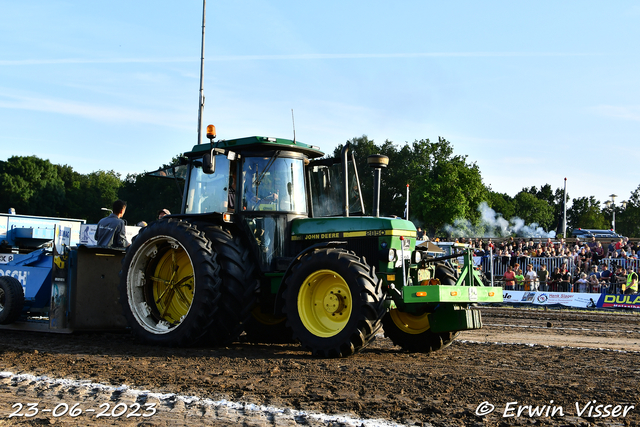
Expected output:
(364, 233)
(403, 256)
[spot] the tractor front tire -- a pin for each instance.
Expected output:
(170, 284)
(11, 299)
(333, 302)
(413, 333)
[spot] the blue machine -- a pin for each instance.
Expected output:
(33, 271)
(27, 245)
(66, 286)
(24, 233)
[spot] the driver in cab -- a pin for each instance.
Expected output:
(259, 195)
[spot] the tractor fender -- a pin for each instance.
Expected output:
(277, 310)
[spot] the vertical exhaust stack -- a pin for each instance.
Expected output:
(377, 162)
(345, 177)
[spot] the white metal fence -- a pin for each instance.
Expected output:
(500, 265)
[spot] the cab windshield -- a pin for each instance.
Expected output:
(273, 184)
(208, 192)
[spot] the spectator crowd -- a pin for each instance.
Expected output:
(561, 266)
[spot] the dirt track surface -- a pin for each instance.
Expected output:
(532, 357)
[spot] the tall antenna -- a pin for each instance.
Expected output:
(293, 121)
(201, 100)
(564, 210)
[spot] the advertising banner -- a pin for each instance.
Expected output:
(571, 299)
(620, 301)
(567, 299)
(518, 297)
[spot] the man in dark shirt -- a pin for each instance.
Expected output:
(565, 279)
(556, 276)
(111, 230)
(543, 276)
(616, 278)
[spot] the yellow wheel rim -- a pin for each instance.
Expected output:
(266, 318)
(409, 323)
(324, 303)
(173, 285)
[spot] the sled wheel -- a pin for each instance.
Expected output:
(267, 328)
(170, 284)
(238, 291)
(11, 299)
(333, 302)
(446, 274)
(413, 333)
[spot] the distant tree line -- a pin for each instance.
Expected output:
(34, 186)
(444, 187)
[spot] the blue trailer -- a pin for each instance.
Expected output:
(51, 282)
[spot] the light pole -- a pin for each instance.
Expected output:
(624, 206)
(201, 98)
(612, 204)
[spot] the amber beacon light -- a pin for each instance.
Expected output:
(211, 131)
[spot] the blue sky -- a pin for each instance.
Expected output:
(533, 92)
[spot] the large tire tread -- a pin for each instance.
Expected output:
(11, 300)
(367, 296)
(426, 342)
(239, 285)
(446, 274)
(198, 322)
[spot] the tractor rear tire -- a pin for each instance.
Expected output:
(170, 284)
(333, 302)
(412, 332)
(11, 300)
(239, 285)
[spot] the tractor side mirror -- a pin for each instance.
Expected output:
(209, 163)
(209, 159)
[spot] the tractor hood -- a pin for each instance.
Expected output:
(345, 227)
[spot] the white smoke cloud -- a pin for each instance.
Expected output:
(494, 225)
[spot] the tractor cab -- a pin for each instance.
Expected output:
(256, 183)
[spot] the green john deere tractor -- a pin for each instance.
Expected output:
(276, 244)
